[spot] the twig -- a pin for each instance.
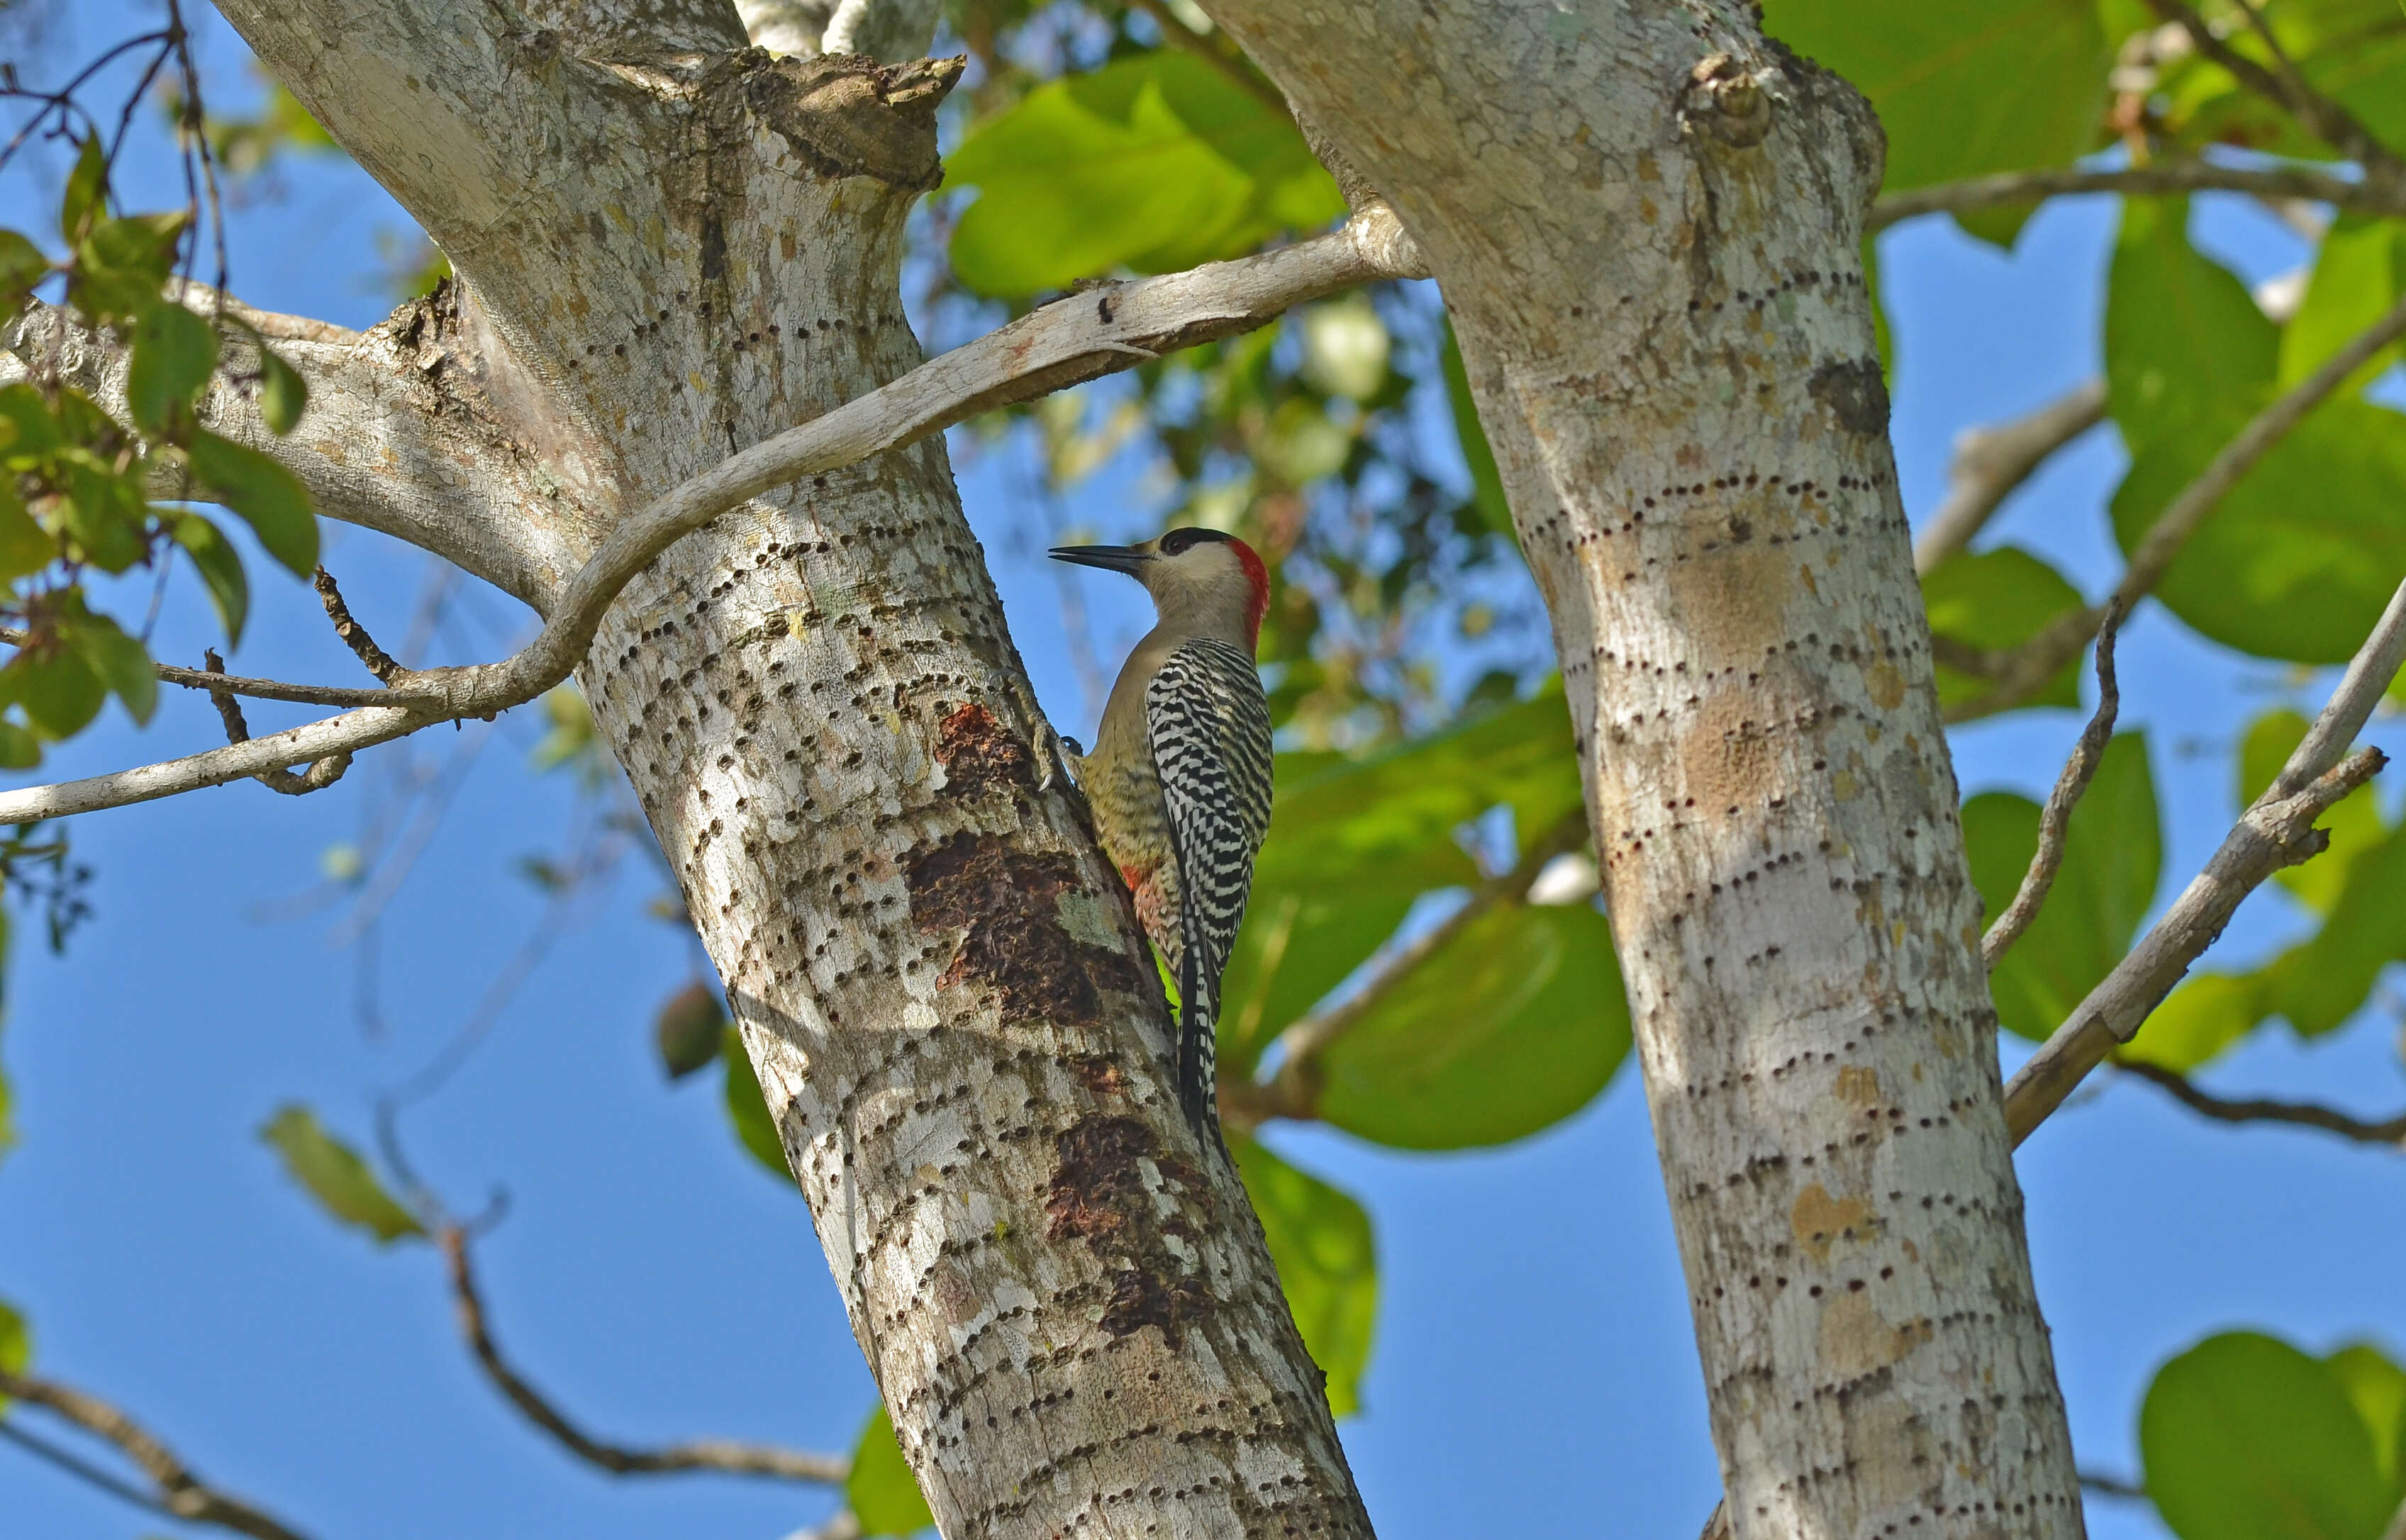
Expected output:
(81, 1469)
(714, 1454)
(178, 1491)
(2055, 819)
(2286, 89)
(354, 636)
(2164, 178)
(2112, 1486)
(2020, 672)
(1074, 339)
(230, 684)
(1294, 1091)
(2276, 831)
(320, 774)
(2330, 1120)
(1990, 462)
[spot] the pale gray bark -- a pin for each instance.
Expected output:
(1646, 219)
(674, 247)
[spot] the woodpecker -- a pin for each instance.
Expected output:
(1180, 778)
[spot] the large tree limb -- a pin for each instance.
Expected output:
(2020, 672)
(399, 436)
(177, 1489)
(2276, 831)
(727, 1456)
(1088, 334)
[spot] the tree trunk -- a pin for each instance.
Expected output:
(1646, 219)
(668, 248)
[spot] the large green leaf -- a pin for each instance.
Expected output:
(1156, 162)
(2113, 854)
(2319, 984)
(1963, 87)
(175, 352)
(2355, 280)
(2299, 558)
(220, 566)
(2243, 1437)
(1385, 824)
(1327, 1263)
(2376, 1388)
(15, 1344)
(2206, 1014)
(2186, 346)
(883, 1494)
(333, 1173)
(1486, 481)
(1295, 948)
(270, 497)
(1994, 600)
(1511, 1028)
(747, 1112)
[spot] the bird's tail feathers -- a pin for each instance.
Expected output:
(1198, 1012)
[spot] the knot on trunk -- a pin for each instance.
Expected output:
(847, 115)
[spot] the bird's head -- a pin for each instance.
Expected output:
(1199, 578)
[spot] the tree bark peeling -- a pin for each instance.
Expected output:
(1647, 222)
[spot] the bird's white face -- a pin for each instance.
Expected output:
(1199, 579)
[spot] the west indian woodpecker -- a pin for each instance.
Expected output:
(1179, 779)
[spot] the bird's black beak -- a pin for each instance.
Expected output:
(1114, 558)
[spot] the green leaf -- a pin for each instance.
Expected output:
(2355, 279)
(334, 1175)
(2243, 1437)
(2113, 854)
(2376, 1388)
(688, 1030)
(19, 750)
(2205, 1015)
(26, 546)
(283, 394)
(87, 192)
(2186, 346)
(1963, 87)
(2299, 558)
(748, 1112)
(103, 511)
(2354, 823)
(1327, 1263)
(21, 266)
(15, 1344)
(121, 663)
(28, 432)
(268, 497)
(1385, 824)
(1997, 600)
(1156, 162)
(1514, 1027)
(175, 352)
(1486, 481)
(571, 738)
(2319, 985)
(883, 1494)
(1294, 948)
(123, 264)
(220, 566)
(58, 690)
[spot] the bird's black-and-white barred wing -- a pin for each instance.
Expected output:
(1210, 731)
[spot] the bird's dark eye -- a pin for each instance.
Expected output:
(1179, 541)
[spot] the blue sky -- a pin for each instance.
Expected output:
(1535, 1371)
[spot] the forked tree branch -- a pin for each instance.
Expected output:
(1990, 462)
(176, 1490)
(2021, 672)
(234, 683)
(2284, 88)
(726, 1456)
(2276, 831)
(2330, 1120)
(2055, 819)
(1082, 337)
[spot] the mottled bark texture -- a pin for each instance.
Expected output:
(1646, 219)
(669, 247)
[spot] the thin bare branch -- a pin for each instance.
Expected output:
(318, 777)
(1085, 335)
(1294, 1092)
(354, 635)
(2112, 1486)
(233, 684)
(2276, 831)
(1990, 462)
(2330, 1120)
(2021, 672)
(2284, 88)
(176, 1489)
(2165, 179)
(714, 1454)
(2055, 819)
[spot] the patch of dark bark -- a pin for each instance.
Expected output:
(1100, 1194)
(1006, 903)
(978, 752)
